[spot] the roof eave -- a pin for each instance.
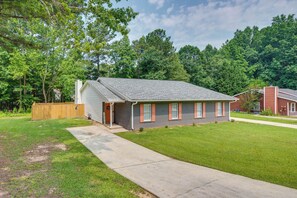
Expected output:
(181, 100)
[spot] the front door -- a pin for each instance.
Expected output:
(107, 113)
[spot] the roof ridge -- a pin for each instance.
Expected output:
(143, 79)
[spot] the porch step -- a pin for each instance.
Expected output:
(114, 129)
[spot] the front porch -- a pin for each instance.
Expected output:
(109, 118)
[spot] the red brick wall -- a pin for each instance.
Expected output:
(237, 105)
(282, 106)
(270, 102)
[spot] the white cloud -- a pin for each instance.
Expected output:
(213, 22)
(170, 9)
(158, 3)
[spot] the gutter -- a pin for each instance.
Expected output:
(132, 114)
(185, 100)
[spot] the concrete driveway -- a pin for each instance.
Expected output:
(167, 177)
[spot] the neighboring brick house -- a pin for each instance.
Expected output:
(136, 103)
(280, 101)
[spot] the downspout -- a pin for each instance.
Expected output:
(132, 114)
(229, 111)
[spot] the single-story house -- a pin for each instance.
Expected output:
(280, 101)
(136, 103)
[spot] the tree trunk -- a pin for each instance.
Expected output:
(21, 97)
(43, 90)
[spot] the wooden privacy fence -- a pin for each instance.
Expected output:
(44, 111)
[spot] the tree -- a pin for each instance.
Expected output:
(157, 59)
(19, 69)
(249, 100)
(123, 57)
(194, 63)
(229, 75)
(60, 13)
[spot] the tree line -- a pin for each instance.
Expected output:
(43, 51)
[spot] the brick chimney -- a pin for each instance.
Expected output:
(78, 85)
(270, 98)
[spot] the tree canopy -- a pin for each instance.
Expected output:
(45, 45)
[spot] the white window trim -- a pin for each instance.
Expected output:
(220, 114)
(197, 110)
(150, 111)
(174, 118)
(292, 104)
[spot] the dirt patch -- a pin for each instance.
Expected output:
(15, 174)
(144, 194)
(41, 152)
(61, 147)
(4, 194)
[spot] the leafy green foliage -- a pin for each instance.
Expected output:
(74, 40)
(249, 100)
(157, 58)
(266, 112)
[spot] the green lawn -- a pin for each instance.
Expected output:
(266, 118)
(257, 151)
(34, 162)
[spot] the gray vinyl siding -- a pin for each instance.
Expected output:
(93, 103)
(187, 115)
(123, 114)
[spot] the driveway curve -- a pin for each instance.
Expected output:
(167, 177)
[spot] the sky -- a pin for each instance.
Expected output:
(202, 22)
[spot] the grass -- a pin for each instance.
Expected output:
(10, 114)
(261, 152)
(75, 172)
(266, 118)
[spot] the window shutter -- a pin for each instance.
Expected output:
(204, 110)
(180, 111)
(223, 108)
(195, 109)
(216, 109)
(153, 112)
(141, 113)
(169, 111)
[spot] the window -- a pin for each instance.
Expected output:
(174, 111)
(293, 107)
(199, 110)
(219, 109)
(147, 111)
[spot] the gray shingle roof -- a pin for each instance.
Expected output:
(102, 90)
(160, 90)
(288, 94)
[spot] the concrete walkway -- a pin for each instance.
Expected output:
(293, 126)
(277, 117)
(166, 177)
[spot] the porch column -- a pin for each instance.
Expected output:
(110, 122)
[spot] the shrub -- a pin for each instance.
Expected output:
(193, 124)
(166, 126)
(232, 120)
(141, 129)
(15, 110)
(267, 112)
(216, 122)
